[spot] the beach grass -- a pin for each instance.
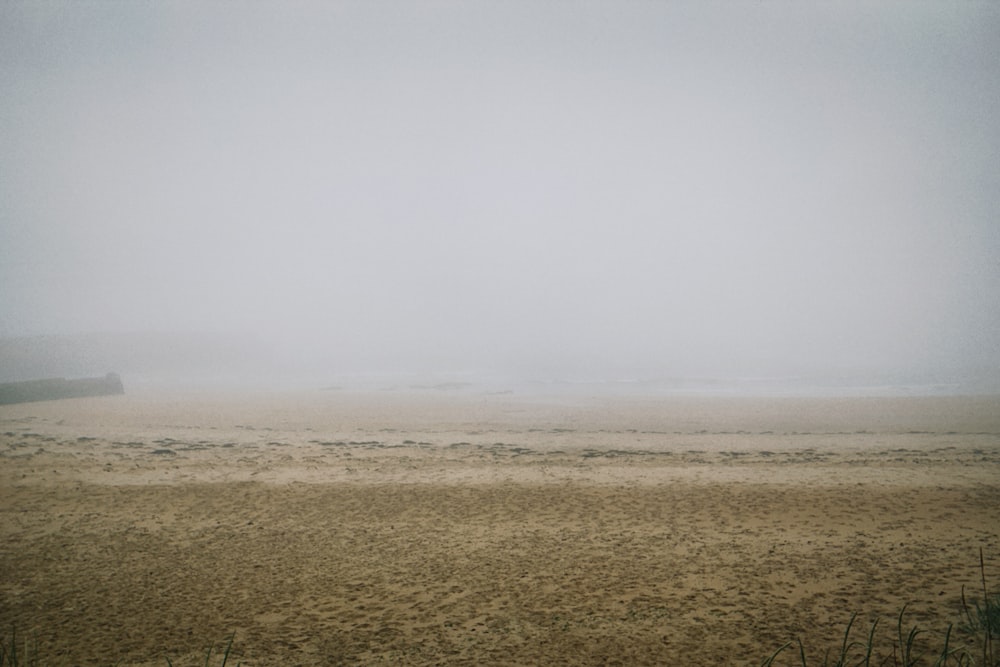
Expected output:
(24, 652)
(19, 652)
(980, 624)
(982, 618)
(903, 650)
(208, 654)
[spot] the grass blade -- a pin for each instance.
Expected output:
(842, 660)
(225, 656)
(766, 663)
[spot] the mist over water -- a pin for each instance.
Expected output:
(669, 194)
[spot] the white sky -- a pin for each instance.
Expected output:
(558, 188)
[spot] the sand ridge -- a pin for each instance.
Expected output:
(330, 528)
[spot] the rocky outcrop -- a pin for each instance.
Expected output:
(51, 389)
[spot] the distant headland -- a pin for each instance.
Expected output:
(51, 389)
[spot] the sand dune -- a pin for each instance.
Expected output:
(335, 528)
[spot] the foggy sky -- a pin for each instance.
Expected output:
(549, 188)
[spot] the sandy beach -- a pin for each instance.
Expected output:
(328, 528)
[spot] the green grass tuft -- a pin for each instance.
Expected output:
(981, 623)
(14, 655)
(208, 654)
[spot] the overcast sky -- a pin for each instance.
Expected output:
(554, 188)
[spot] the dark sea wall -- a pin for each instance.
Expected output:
(51, 389)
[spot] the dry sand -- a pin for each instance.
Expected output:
(334, 528)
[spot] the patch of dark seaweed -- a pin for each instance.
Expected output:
(132, 444)
(617, 453)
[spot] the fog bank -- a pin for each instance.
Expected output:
(590, 191)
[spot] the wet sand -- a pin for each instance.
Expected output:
(333, 528)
